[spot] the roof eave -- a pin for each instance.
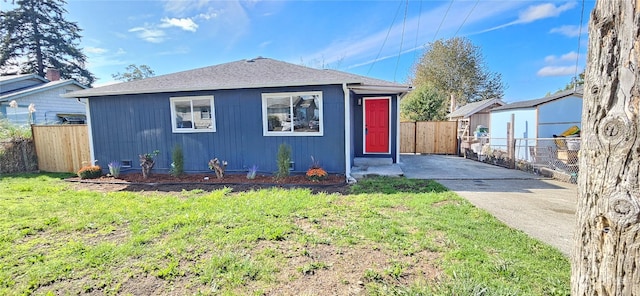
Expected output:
(91, 93)
(34, 91)
(379, 89)
(24, 77)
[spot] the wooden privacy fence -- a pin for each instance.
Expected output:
(429, 137)
(61, 148)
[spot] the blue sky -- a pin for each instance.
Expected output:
(533, 44)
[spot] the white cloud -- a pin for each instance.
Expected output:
(95, 50)
(120, 51)
(209, 15)
(556, 71)
(534, 13)
(153, 33)
(567, 57)
(149, 34)
(542, 11)
(186, 24)
(569, 31)
(265, 44)
(228, 19)
(570, 56)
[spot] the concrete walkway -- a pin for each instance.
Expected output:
(542, 208)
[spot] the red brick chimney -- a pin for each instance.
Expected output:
(52, 74)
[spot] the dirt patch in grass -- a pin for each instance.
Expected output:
(325, 269)
(208, 182)
(445, 203)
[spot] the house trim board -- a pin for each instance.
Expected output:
(90, 132)
(347, 131)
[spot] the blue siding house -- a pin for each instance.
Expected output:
(241, 112)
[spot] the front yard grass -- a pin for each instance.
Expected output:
(389, 237)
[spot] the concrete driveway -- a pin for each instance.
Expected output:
(542, 208)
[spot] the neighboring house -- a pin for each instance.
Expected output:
(45, 94)
(539, 118)
(241, 112)
(471, 115)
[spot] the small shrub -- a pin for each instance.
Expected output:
(90, 172)
(283, 160)
(252, 172)
(114, 168)
(177, 166)
(9, 130)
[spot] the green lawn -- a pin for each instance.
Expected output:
(389, 237)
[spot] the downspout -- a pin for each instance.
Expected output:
(89, 132)
(347, 135)
(400, 96)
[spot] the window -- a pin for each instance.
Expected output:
(292, 114)
(192, 114)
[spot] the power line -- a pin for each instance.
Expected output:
(415, 53)
(442, 21)
(575, 74)
(404, 22)
(465, 19)
(385, 38)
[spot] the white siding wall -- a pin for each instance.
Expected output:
(557, 116)
(49, 103)
(525, 125)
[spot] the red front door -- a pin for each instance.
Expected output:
(376, 125)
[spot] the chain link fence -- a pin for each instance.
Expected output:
(550, 157)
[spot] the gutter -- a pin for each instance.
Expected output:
(347, 135)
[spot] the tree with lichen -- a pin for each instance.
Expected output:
(606, 254)
(35, 36)
(134, 72)
(456, 68)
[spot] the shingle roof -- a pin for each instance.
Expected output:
(471, 108)
(37, 88)
(12, 78)
(533, 103)
(255, 73)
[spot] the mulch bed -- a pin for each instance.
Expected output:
(238, 182)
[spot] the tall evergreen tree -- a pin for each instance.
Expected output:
(35, 36)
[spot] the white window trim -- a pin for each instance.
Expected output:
(265, 124)
(212, 112)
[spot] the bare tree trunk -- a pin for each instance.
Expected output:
(606, 254)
